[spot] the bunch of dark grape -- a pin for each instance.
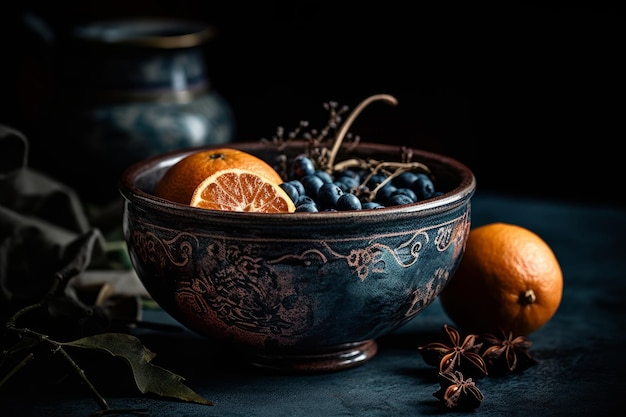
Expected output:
(315, 190)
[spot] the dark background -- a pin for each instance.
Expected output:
(526, 94)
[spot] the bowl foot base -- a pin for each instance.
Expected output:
(329, 360)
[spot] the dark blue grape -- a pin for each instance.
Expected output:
(398, 200)
(325, 176)
(384, 193)
(291, 191)
(298, 185)
(312, 184)
(375, 180)
(305, 199)
(405, 179)
(348, 173)
(347, 183)
(407, 192)
(369, 205)
(307, 208)
(301, 166)
(423, 187)
(348, 201)
(327, 196)
(344, 187)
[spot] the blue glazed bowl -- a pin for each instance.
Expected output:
(297, 291)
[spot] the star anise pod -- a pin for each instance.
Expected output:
(458, 393)
(507, 354)
(457, 356)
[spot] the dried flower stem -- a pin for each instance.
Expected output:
(345, 127)
(325, 157)
(397, 169)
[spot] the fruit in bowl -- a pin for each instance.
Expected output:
(296, 290)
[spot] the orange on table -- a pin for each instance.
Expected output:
(181, 179)
(508, 279)
(238, 189)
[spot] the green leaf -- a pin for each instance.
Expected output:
(149, 378)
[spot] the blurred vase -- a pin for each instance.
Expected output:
(136, 88)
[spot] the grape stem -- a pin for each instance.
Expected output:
(345, 127)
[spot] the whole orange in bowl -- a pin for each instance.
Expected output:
(181, 180)
(508, 280)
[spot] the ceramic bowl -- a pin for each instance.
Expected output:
(297, 291)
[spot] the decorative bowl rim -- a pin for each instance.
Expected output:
(450, 199)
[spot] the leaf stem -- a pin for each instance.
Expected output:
(57, 348)
(99, 399)
(19, 366)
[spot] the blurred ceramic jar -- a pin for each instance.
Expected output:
(137, 88)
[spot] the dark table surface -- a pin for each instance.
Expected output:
(581, 352)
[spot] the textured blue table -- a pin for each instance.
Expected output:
(581, 351)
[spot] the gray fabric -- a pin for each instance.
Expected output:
(40, 221)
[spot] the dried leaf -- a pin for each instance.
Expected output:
(149, 378)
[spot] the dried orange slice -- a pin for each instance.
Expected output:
(237, 189)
